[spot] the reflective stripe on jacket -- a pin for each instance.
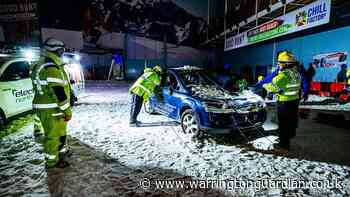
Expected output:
(145, 85)
(286, 85)
(47, 75)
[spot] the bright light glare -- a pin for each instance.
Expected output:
(65, 59)
(29, 54)
(77, 57)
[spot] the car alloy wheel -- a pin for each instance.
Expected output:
(189, 122)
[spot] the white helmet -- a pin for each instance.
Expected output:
(52, 44)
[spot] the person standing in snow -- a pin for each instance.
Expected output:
(141, 90)
(52, 101)
(348, 76)
(287, 85)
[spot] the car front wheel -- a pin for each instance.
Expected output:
(190, 123)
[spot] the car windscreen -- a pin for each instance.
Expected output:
(200, 77)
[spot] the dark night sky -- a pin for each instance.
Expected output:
(65, 14)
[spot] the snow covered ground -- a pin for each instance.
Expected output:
(335, 107)
(100, 121)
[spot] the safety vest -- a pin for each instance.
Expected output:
(348, 76)
(145, 85)
(46, 75)
(286, 84)
(242, 84)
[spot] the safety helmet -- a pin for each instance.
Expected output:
(286, 57)
(53, 45)
(260, 78)
(157, 69)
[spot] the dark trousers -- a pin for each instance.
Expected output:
(136, 105)
(63, 140)
(287, 121)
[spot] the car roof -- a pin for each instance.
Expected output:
(9, 58)
(187, 68)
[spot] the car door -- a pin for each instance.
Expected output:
(16, 89)
(172, 97)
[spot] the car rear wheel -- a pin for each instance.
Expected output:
(190, 123)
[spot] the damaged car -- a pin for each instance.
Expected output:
(191, 97)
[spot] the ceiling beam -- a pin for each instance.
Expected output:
(253, 18)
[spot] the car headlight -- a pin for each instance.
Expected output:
(217, 107)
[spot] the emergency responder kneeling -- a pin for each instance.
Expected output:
(287, 85)
(142, 89)
(52, 101)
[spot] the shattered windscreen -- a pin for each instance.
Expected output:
(196, 78)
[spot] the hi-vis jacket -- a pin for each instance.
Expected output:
(51, 86)
(348, 76)
(286, 84)
(146, 84)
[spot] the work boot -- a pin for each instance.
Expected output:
(65, 152)
(60, 164)
(134, 124)
(279, 149)
(38, 137)
(37, 133)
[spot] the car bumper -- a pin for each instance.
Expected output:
(233, 129)
(229, 123)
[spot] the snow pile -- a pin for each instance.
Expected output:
(157, 145)
(335, 107)
(316, 98)
(22, 169)
(264, 143)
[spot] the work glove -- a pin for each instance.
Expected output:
(269, 96)
(67, 115)
(159, 97)
(280, 91)
(158, 93)
(67, 118)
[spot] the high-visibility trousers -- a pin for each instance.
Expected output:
(55, 129)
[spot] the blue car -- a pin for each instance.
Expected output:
(192, 98)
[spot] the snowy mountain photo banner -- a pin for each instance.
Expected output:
(155, 19)
(178, 22)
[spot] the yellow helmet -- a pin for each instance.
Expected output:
(260, 78)
(286, 57)
(157, 69)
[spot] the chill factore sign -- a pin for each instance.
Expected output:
(312, 15)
